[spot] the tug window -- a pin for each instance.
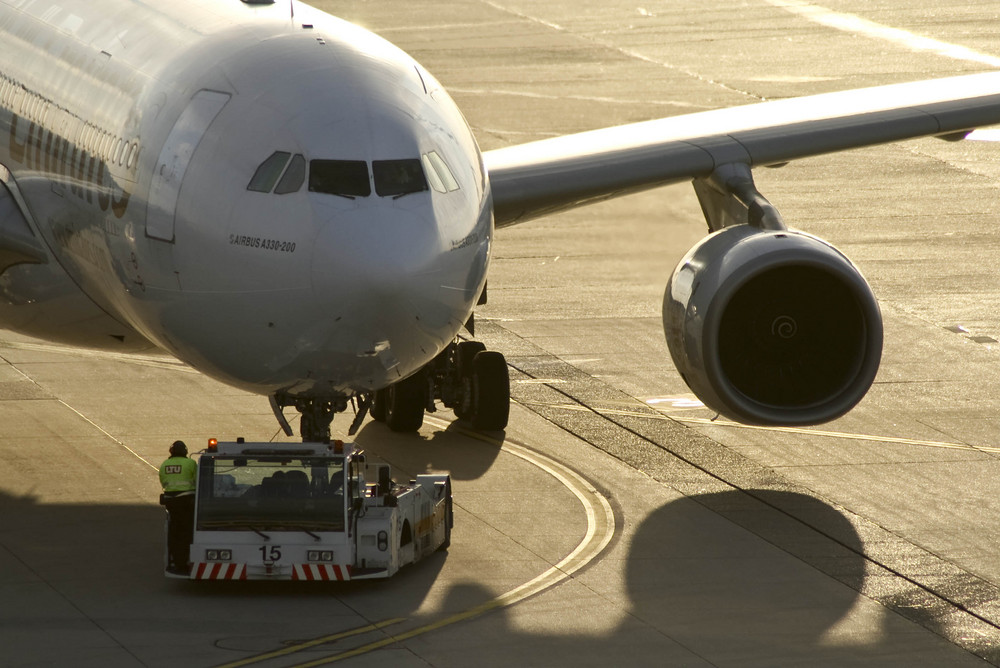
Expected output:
(269, 171)
(395, 178)
(271, 493)
(346, 178)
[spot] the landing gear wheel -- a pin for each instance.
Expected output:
(405, 403)
(316, 418)
(467, 351)
(449, 518)
(377, 411)
(490, 391)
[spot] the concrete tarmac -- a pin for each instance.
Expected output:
(670, 539)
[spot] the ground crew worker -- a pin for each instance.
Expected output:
(177, 476)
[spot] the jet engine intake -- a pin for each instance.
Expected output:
(772, 327)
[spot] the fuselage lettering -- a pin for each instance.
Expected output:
(87, 162)
(263, 244)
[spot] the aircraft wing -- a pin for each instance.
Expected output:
(541, 177)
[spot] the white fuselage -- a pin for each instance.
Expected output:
(239, 189)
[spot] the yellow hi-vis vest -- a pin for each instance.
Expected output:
(177, 474)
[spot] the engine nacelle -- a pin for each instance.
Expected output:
(775, 328)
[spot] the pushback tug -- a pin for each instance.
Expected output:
(310, 511)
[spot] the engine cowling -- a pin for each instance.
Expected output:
(772, 327)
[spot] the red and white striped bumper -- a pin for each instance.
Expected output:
(218, 571)
(226, 571)
(321, 572)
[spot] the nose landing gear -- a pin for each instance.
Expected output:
(317, 415)
(465, 377)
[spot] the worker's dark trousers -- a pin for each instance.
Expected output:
(180, 531)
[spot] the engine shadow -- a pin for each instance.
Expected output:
(778, 588)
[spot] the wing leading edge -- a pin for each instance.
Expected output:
(538, 178)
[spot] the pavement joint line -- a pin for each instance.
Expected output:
(55, 348)
(610, 46)
(153, 360)
(120, 443)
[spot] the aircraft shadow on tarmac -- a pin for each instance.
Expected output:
(122, 546)
(99, 552)
(88, 575)
(451, 450)
(699, 588)
(696, 583)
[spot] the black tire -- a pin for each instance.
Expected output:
(467, 351)
(449, 518)
(405, 402)
(377, 410)
(491, 391)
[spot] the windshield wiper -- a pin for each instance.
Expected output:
(260, 527)
(293, 527)
(212, 524)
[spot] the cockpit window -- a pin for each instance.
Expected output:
(294, 176)
(395, 178)
(438, 173)
(347, 178)
(269, 171)
(274, 168)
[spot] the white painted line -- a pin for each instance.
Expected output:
(162, 361)
(540, 381)
(860, 26)
(600, 518)
(716, 422)
(836, 434)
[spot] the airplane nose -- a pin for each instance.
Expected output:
(382, 249)
(381, 279)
